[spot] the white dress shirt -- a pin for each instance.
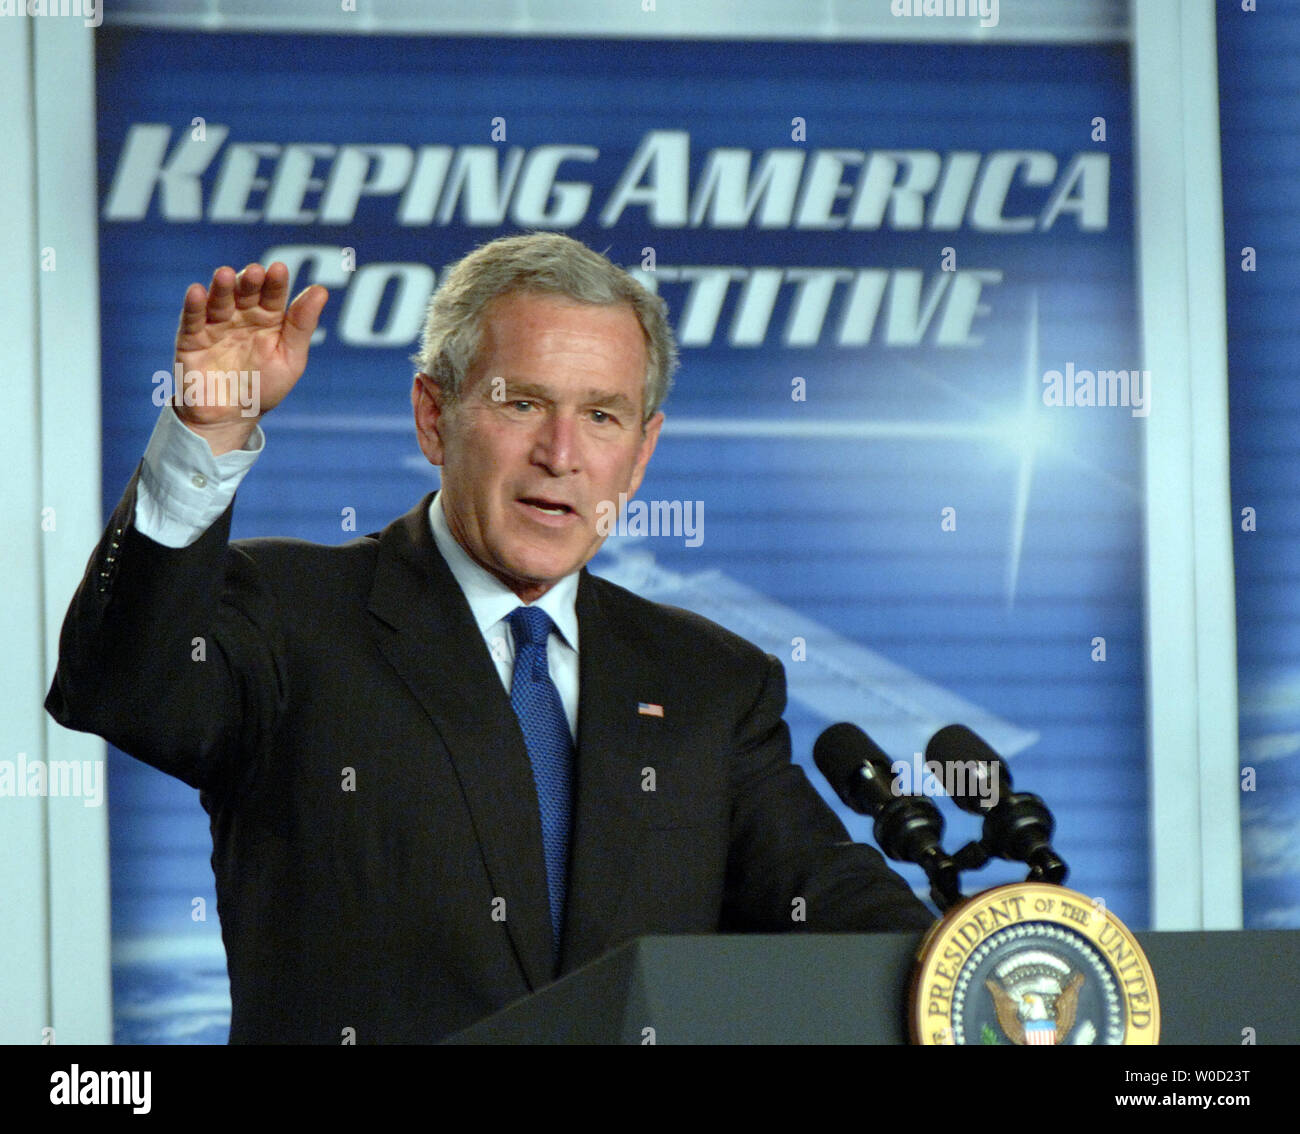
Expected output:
(184, 488)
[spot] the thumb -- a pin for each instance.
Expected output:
(301, 319)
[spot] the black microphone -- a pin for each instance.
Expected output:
(908, 828)
(855, 767)
(1017, 826)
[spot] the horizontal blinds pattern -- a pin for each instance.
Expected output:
(1259, 116)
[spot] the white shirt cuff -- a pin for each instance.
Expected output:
(183, 488)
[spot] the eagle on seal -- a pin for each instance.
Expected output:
(1016, 1016)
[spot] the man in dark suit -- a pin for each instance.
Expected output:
(444, 763)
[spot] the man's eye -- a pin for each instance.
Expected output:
(522, 405)
(600, 416)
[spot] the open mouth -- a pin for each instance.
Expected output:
(548, 507)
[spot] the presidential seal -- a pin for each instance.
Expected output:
(1032, 964)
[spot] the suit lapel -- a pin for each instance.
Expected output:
(424, 627)
(609, 811)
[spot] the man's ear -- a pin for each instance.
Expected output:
(649, 438)
(429, 404)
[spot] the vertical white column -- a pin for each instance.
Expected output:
(1212, 518)
(24, 866)
(1195, 829)
(67, 273)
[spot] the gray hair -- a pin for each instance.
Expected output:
(545, 262)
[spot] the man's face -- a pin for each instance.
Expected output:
(547, 426)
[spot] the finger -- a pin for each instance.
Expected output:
(194, 311)
(248, 286)
(221, 295)
(301, 319)
(275, 288)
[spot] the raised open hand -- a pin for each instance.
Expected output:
(240, 324)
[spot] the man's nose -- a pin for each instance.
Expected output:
(556, 444)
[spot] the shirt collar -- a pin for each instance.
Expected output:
(490, 600)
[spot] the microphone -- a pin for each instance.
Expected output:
(855, 767)
(1017, 826)
(907, 828)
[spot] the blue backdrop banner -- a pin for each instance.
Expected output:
(903, 451)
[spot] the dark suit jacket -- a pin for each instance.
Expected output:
(376, 839)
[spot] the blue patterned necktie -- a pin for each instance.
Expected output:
(537, 704)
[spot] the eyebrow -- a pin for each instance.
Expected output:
(593, 396)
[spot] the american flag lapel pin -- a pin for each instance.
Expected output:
(647, 709)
